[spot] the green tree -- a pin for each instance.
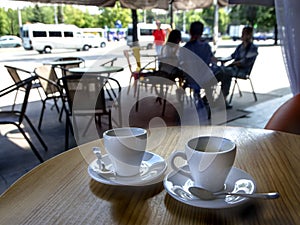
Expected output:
(73, 16)
(263, 18)
(266, 20)
(13, 26)
(27, 15)
(108, 16)
(4, 26)
(60, 14)
(37, 15)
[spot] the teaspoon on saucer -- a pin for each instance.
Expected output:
(100, 162)
(208, 195)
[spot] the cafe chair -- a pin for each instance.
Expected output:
(18, 117)
(89, 97)
(159, 84)
(17, 75)
(109, 63)
(242, 76)
(48, 80)
(286, 117)
(133, 57)
(65, 68)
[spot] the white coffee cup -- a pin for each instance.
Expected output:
(210, 160)
(125, 147)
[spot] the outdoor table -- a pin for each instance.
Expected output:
(96, 70)
(60, 191)
(63, 63)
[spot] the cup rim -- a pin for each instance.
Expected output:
(142, 132)
(213, 137)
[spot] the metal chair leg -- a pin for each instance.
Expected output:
(232, 92)
(31, 145)
(36, 133)
(253, 92)
(42, 115)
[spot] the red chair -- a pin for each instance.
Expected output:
(286, 118)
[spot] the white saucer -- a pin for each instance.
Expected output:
(177, 185)
(152, 168)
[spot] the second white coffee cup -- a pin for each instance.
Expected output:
(210, 160)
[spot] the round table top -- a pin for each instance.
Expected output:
(64, 62)
(60, 191)
(96, 69)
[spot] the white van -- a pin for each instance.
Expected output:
(46, 37)
(144, 33)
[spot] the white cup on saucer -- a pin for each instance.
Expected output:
(210, 160)
(125, 147)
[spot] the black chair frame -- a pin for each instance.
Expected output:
(16, 117)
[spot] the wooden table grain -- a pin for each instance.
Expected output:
(60, 191)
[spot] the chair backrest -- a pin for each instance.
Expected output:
(286, 118)
(85, 94)
(46, 73)
(109, 62)
(25, 84)
(127, 56)
(244, 73)
(65, 68)
(14, 73)
(136, 51)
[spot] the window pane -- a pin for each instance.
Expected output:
(39, 34)
(68, 34)
(146, 31)
(55, 34)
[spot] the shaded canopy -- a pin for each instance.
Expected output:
(159, 4)
(253, 2)
(140, 4)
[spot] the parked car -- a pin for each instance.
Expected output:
(95, 41)
(270, 35)
(185, 37)
(9, 41)
(260, 36)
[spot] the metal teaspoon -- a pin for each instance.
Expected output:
(208, 195)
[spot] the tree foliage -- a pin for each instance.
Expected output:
(260, 17)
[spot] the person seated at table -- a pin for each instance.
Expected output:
(203, 50)
(243, 56)
(168, 60)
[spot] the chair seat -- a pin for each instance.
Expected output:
(9, 117)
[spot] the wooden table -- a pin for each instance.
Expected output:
(60, 191)
(96, 70)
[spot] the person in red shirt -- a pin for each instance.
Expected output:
(159, 38)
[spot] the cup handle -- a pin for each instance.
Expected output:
(174, 167)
